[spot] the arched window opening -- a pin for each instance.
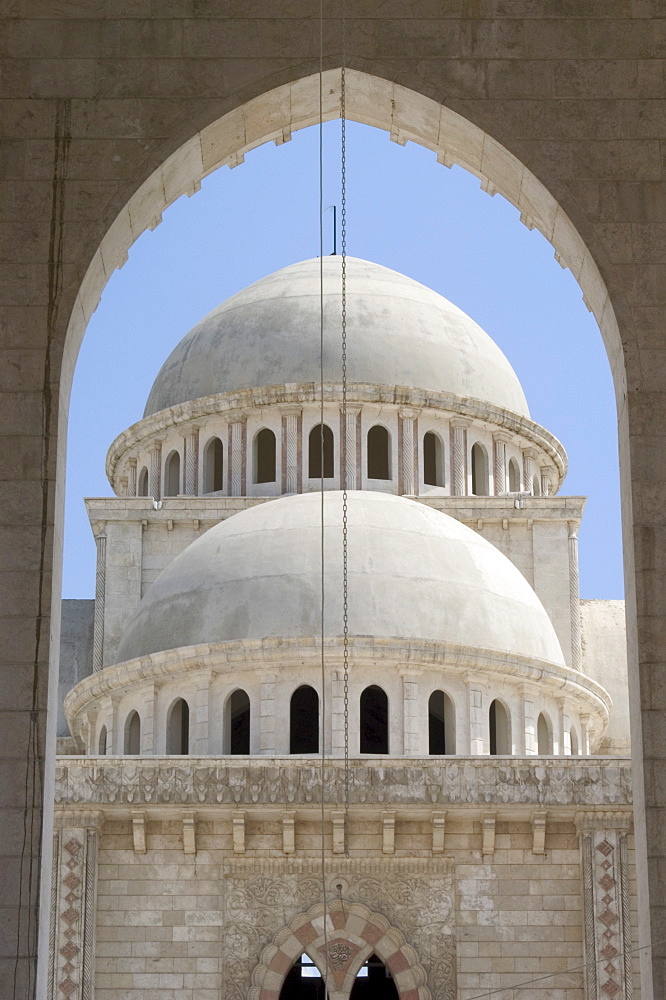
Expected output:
(500, 729)
(374, 721)
(320, 443)
(433, 460)
(479, 471)
(304, 720)
(102, 742)
(374, 982)
(379, 453)
(264, 456)
(544, 737)
(303, 981)
(143, 482)
(238, 724)
(514, 476)
(573, 742)
(172, 475)
(441, 724)
(213, 472)
(132, 735)
(536, 486)
(178, 728)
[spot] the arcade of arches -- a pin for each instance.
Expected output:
(111, 118)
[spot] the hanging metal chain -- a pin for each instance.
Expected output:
(345, 515)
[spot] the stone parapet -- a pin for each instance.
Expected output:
(587, 783)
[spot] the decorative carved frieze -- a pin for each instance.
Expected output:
(137, 782)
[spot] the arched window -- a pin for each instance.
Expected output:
(264, 456)
(101, 745)
(536, 486)
(172, 475)
(374, 721)
(213, 466)
(374, 982)
(433, 460)
(132, 734)
(304, 720)
(441, 724)
(237, 726)
(379, 453)
(178, 728)
(315, 446)
(514, 476)
(303, 981)
(544, 736)
(143, 482)
(500, 729)
(479, 471)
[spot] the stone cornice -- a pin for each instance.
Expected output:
(272, 654)
(588, 783)
(140, 433)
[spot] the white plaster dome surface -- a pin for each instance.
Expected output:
(399, 333)
(414, 573)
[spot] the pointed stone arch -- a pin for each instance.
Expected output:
(339, 949)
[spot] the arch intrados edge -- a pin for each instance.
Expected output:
(370, 100)
(301, 934)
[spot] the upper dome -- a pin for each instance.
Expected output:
(414, 573)
(399, 333)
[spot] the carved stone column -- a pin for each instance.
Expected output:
(607, 931)
(114, 737)
(131, 479)
(155, 481)
(237, 463)
(476, 728)
(267, 711)
(73, 905)
(531, 745)
(200, 717)
(337, 713)
(148, 720)
(547, 480)
(412, 714)
(291, 450)
(500, 441)
(408, 451)
(350, 453)
(192, 462)
(529, 457)
(100, 595)
(574, 598)
(459, 427)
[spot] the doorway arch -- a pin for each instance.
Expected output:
(342, 952)
(407, 115)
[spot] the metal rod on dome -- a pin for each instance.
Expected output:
(335, 227)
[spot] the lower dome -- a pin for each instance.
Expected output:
(414, 573)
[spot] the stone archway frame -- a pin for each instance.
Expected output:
(353, 934)
(370, 100)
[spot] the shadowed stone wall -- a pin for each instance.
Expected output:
(93, 104)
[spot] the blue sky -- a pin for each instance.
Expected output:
(405, 211)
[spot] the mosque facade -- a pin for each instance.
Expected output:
(251, 800)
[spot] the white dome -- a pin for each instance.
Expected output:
(414, 573)
(399, 333)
